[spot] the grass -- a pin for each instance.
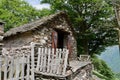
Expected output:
(99, 75)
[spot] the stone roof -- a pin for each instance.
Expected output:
(33, 25)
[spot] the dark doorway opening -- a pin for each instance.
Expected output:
(61, 41)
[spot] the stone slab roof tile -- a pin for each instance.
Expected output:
(33, 25)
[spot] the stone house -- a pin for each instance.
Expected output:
(52, 31)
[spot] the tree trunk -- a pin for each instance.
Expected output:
(84, 44)
(117, 13)
(84, 40)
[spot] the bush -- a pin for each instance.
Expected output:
(117, 75)
(101, 67)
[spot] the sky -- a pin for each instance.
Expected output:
(112, 57)
(37, 5)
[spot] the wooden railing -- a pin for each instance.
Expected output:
(84, 58)
(15, 68)
(49, 62)
(18, 64)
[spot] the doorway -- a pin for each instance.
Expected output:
(62, 39)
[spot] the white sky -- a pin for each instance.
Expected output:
(37, 5)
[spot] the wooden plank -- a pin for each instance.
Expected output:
(65, 61)
(14, 68)
(59, 63)
(5, 67)
(84, 58)
(59, 77)
(38, 60)
(56, 61)
(17, 68)
(23, 66)
(49, 60)
(0, 67)
(44, 61)
(11, 67)
(28, 67)
(52, 61)
(32, 59)
(41, 64)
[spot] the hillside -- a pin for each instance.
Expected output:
(112, 57)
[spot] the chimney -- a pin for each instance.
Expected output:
(1, 35)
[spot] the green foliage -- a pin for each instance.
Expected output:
(93, 22)
(99, 75)
(117, 75)
(45, 12)
(102, 68)
(18, 12)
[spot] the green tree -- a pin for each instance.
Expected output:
(118, 75)
(18, 12)
(93, 22)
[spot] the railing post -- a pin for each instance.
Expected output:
(28, 67)
(1, 75)
(1, 45)
(32, 61)
(0, 67)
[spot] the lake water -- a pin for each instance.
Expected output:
(112, 57)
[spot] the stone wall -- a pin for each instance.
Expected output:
(18, 40)
(25, 50)
(84, 73)
(42, 35)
